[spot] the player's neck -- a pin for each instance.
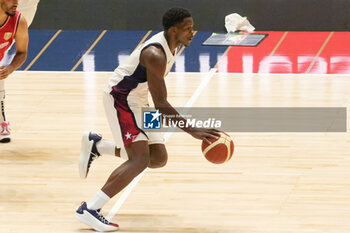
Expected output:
(171, 43)
(3, 17)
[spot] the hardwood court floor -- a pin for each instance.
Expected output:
(276, 182)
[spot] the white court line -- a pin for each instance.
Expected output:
(132, 185)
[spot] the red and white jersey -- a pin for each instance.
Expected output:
(7, 33)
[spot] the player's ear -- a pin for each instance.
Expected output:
(173, 29)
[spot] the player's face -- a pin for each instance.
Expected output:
(9, 6)
(185, 31)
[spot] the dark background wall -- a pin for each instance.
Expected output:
(301, 15)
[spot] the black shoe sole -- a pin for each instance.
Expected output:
(5, 140)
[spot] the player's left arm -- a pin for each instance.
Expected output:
(22, 40)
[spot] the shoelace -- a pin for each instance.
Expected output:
(4, 130)
(94, 156)
(100, 216)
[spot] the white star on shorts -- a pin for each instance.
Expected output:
(128, 135)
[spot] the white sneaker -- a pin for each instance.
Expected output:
(5, 132)
(94, 219)
(88, 152)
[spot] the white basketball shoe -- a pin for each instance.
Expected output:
(5, 132)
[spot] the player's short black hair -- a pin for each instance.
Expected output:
(174, 16)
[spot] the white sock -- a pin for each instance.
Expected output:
(2, 113)
(98, 201)
(106, 147)
(2, 100)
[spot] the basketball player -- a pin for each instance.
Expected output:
(13, 27)
(125, 95)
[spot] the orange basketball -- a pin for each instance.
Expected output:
(220, 150)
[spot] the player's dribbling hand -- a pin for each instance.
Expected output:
(204, 134)
(5, 71)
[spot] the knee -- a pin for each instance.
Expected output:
(158, 160)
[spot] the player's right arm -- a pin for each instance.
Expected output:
(154, 60)
(21, 39)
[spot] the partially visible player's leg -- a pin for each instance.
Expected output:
(2, 100)
(137, 151)
(158, 152)
(93, 146)
(138, 161)
(89, 213)
(158, 156)
(4, 125)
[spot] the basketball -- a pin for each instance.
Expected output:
(220, 150)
